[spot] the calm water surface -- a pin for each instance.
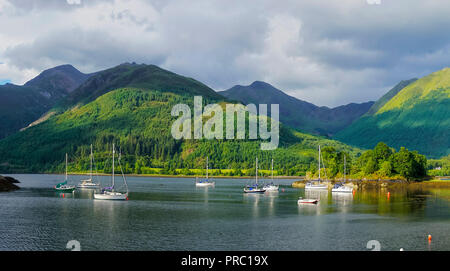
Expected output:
(172, 214)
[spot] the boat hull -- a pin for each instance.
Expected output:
(271, 188)
(205, 184)
(316, 187)
(93, 186)
(254, 190)
(65, 189)
(342, 189)
(307, 201)
(111, 196)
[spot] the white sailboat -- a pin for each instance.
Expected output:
(341, 187)
(109, 193)
(88, 183)
(64, 187)
(206, 182)
(318, 185)
(271, 187)
(254, 188)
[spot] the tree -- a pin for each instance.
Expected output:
(371, 166)
(385, 169)
(381, 153)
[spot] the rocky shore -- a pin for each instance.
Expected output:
(8, 184)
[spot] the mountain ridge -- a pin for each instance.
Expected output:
(21, 105)
(297, 113)
(417, 117)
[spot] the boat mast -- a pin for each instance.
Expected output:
(207, 162)
(256, 170)
(272, 170)
(114, 151)
(344, 168)
(92, 157)
(66, 166)
(319, 163)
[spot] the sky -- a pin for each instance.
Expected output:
(328, 52)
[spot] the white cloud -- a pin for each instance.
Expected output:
(327, 53)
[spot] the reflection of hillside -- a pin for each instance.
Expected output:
(393, 202)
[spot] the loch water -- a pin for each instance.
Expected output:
(173, 214)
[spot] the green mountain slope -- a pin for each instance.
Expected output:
(296, 113)
(389, 95)
(21, 105)
(417, 117)
(139, 121)
(136, 76)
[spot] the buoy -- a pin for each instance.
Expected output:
(388, 194)
(429, 237)
(63, 195)
(401, 249)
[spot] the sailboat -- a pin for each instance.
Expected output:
(340, 187)
(271, 187)
(109, 193)
(88, 183)
(206, 182)
(318, 185)
(64, 187)
(254, 188)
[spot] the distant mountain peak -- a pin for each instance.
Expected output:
(59, 80)
(261, 84)
(297, 113)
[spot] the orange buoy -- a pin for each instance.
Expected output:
(388, 194)
(429, 238)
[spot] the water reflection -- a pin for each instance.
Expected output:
(171, 214)
(343, 201)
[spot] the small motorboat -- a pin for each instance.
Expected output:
(307, 201)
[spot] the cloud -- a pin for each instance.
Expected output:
(328, 53)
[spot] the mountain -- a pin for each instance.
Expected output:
(389, 95)
(59, 81)
(131, 106)
(296, 113)
(417, 117)
(21, 105)
(136, 76)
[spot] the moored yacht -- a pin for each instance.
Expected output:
(341, 187)
(88, 183)
(316, 185)
(271, 187)
(205, 182)
(255, 188)
(64, 186)
(109, 193)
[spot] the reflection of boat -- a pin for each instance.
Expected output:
(88, 183)
(318, 185)
(254, 188)
(340, 187)
(206, 182)
(64, 187)
(109, 193)
(271, 187)
(307, 201)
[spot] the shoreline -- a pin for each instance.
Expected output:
(362, 184)
(175, 176)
